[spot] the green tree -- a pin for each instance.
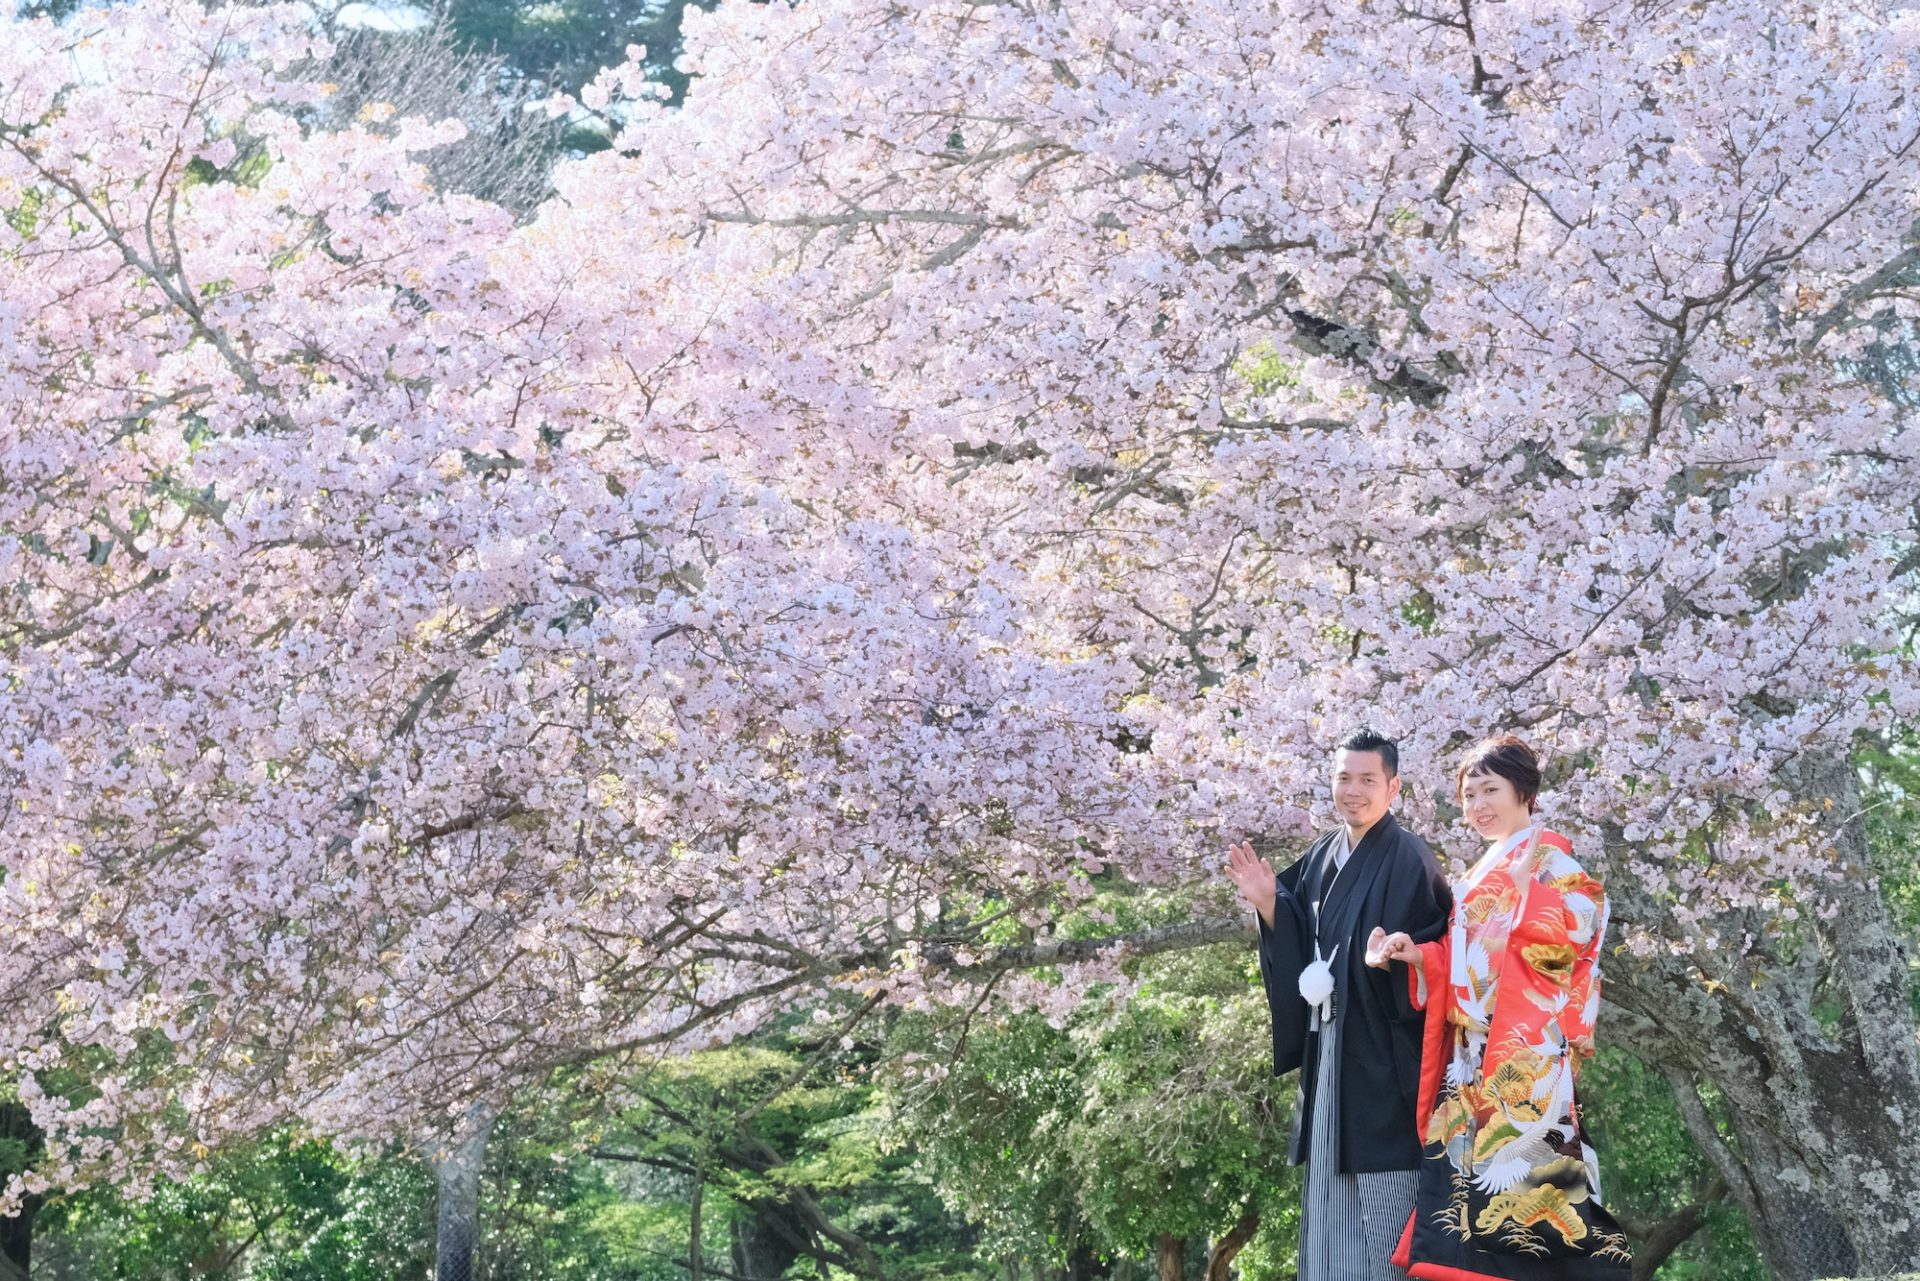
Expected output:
(784, 1146)
(284, 1210)
(1656, 1180)
(1145, 1126)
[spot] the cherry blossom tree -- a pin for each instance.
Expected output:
(408, 686)
(966, 447)
(1461, 368)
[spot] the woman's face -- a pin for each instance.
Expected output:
(1492, 807)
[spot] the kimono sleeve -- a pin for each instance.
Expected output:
(1430, 975)
(1283, 954)
(1585, 905)
(1425, 906)
(1430, 982)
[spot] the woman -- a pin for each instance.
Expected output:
(1509, 1187)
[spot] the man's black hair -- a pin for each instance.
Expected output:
(1368, 739)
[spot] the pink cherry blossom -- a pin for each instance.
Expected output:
(964, 448)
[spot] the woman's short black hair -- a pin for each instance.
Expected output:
(1507, 757)
(1367, 739)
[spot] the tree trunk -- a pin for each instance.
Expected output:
(694, 1260)
(1172, 1254)
(16, 1233)
(1220, 1257)
(1807, 1121)
(1082, 1263)
(1654, 1243)
(761, 1250)
(16, 1241)
(456, 1171)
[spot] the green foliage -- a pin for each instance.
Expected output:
(1651, 1168)
(1145, 1116)
(55, 9)
(1892, 772)
(991, 1130)
(544, 1211)
(24, 217)
(1891, 783)
(1264, 370)
(1147, 1113)
(291, 1210)
(767, 1130)
(245, 170)
(1181, 1127)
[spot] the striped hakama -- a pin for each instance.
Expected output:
(1350, 1223)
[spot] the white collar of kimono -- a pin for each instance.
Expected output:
(1497, 854)
(1507, 846)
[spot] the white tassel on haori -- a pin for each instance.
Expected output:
(1316, 986)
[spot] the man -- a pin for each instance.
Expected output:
(1349, 1028)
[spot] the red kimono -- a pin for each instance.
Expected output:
(1509, 1187)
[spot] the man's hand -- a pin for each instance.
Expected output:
(1253, 877)
(1383, 947)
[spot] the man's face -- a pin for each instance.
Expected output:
(1362, 788)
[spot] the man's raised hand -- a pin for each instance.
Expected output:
(1253, 877)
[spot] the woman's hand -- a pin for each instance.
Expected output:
(1253, 877)
(1383, 947)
